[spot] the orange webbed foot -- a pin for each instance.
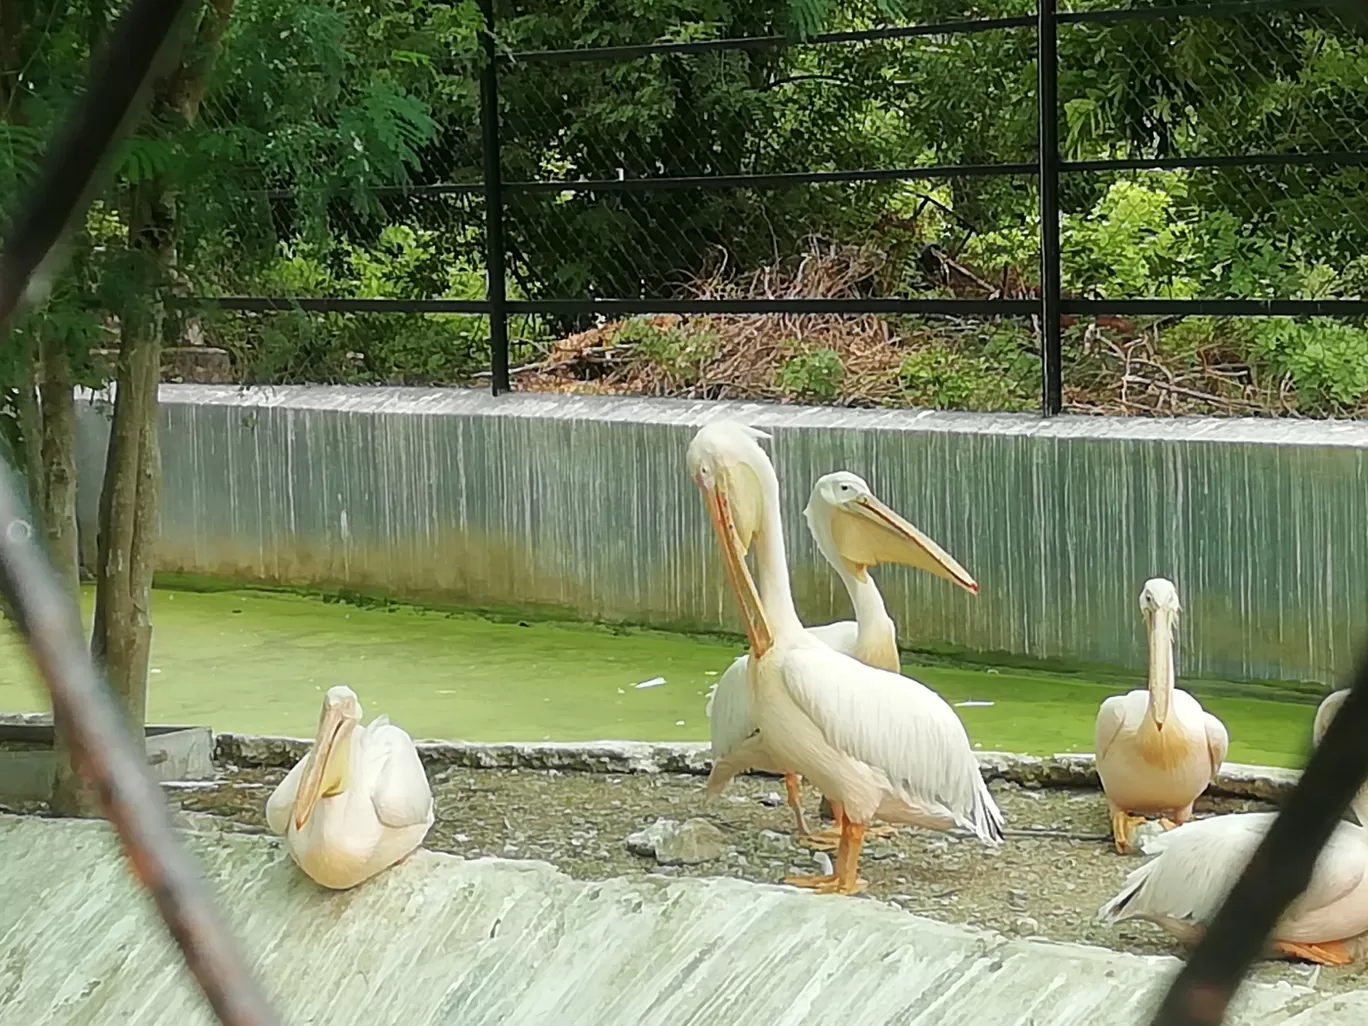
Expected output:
(811, 882)
(1322, 953)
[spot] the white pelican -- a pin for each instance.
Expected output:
(1156, 749)
(357, 803)
(878, 743)
(854, 531)
(1197, 864)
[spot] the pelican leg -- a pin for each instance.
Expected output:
(794, 787)
(830, 838)
(1122, 823)
(847, 862)
(1179, 818)
(1322, 953)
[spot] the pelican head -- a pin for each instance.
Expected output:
(329, 759)
(726, 462)
(1160, 607)
(850, 520)
(1328, 708)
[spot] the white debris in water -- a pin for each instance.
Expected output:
(154, 670)
(679, 723)
(973, 704)
(654, 682)
(710, 673)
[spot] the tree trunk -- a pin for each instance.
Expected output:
(130, 497)
(122, 635)
(59, 467)
(69, 795)
(31, 438)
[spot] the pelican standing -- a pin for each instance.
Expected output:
(1156, 749)
(1197, 865)
(357, 803)
(877, 743)
(854, 531)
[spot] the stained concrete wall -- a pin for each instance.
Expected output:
(440, 941)
(582, 504)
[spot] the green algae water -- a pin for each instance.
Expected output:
(259, 662)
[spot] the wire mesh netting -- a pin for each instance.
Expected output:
(694, 165)
(1275, 98)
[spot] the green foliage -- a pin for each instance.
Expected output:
(816, 374)
(404, 263)
(1327, 360)
(680, 351)
(319, 114)
(993, 371)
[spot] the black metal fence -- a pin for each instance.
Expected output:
(653, 223)
(107, 754)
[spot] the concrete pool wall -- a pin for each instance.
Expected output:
(443, 941)
(581, 505)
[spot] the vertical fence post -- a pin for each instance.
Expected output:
(1047, 97)
(495, 292)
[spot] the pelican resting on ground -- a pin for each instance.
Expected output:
(878, 743)
(854, 532)
(1156, 749)
(357, 803)
(1196, 865)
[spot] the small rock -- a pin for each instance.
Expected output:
(771, 800)
(1146, 831)
(1016, 898)
(1026, 926)
(672, 843)
(773, 840)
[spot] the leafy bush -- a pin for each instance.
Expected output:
(680, 352)
(813, 375)
(1327, 360)
(405, 263)
(993, 371)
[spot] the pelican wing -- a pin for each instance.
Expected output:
(1110, 719)
(400, 791)
(839, 636)
(1218, 742)
(897, 726)
(730, 723)
(281, 803)
(729, 712)
(1197, 864)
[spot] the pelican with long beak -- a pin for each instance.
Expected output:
(854, 531)
(1156, 749)
(1197, 865)
(357, 803)
(879, 744)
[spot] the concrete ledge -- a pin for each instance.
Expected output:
(441, 941)
(1236, 780)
